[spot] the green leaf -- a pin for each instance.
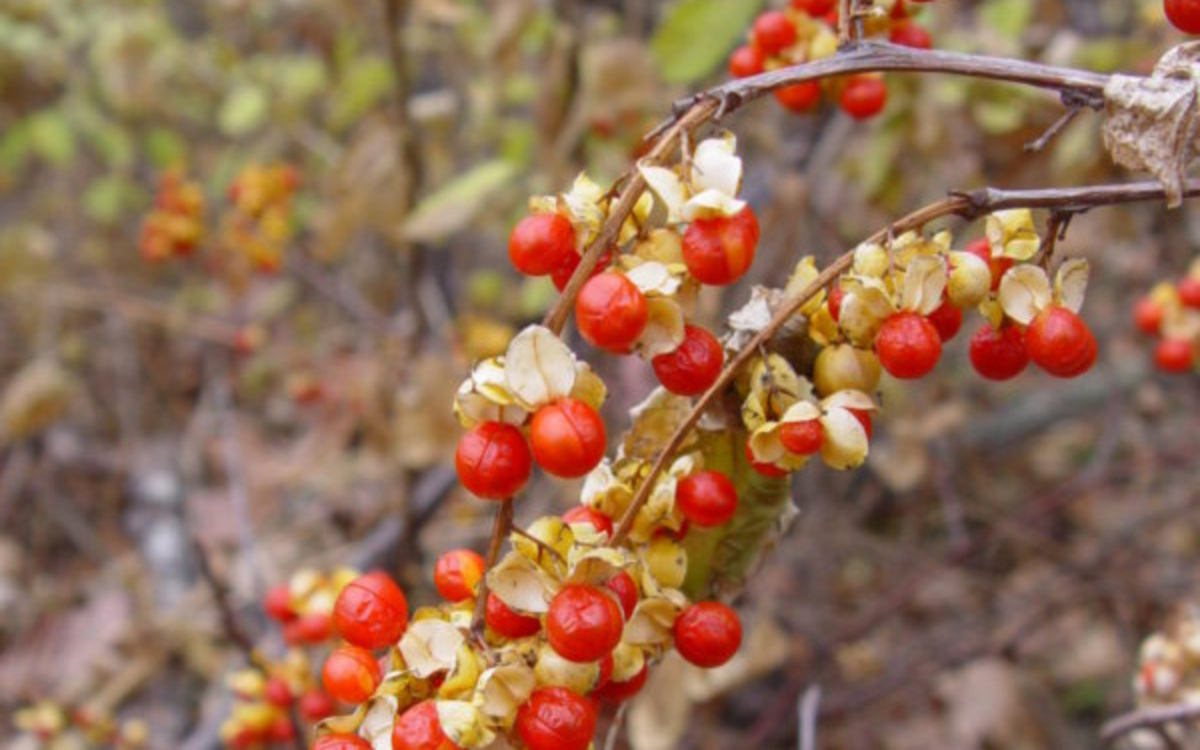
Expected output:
(365, 83)
(1007, 18)
(300, 78)
(244, 110)
(456, 203)
(697, 36)
(106, 199)
(51, 137)
(165, 147)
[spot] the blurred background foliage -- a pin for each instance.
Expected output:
(291, 418)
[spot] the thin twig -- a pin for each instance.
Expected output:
(220, 594)
(500, 529)
(1051, 132)
(810, 704)
(1145, 718)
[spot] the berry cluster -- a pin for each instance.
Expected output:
(1171, 314)
(56, 725)
(260, 225)
(304, 605)
(264, 701)
(176, 224)
(806, 31)
(1168, 671)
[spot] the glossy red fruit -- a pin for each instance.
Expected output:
(745, 61)
(371, 611)
(799, 97)
(351, 674)
(278, 603)
(767, 470)
(997, 265)
(457, 573)
(815, 7)
(773, 32)
(836, 295)
(583, 623)
(1183, 15)
(619, 692)
(419, 728)
(554, 718)
(693, 366)
(803, 438)
(568, 438)
(947, 319)
(282, 730)
(540, 243)
(720, 250)
(505, 622)
(1060, 343)
(493, 461)
(864, 97)
(911, 34)
(706, 498)
(561, 275)
(312, 628)
(341, 742)
(708, 634)
(278, 693)
(315, 705)
(1174, 355)
(585, 515)
(1189, 292)
(999, 355)
(908, 345)
(1148, 316)
(611, 312)
(626, 589)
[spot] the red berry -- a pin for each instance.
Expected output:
(745, 61)
(799, 97)
(802, 438)
(457, 573)
(493, 460)
(351, 674)
(583, 623)
(585, 515)
(1183, 15)
(278, 693)
(506, 622)
(814, 7)
(568, 438)
(611, 312)
(1060, 343)
(561, 275)
(626, 589)
(708, 634)
(371, 611)
(1189, 292)
(541, 243)
(773, 32)
(997, 265)
(554, 718)
(706, 498)
(911, 34)
(695, 365)
(315, 627)
(908, 345)
(864, 96)
(315, 705)
(947, 319)
(719, 250)
(766, 469)
(1174, 355)
(278, 603)
(419, 728)
(835, 303)
(999, 355)
(619, 692)
(282, 730)
(342, 742)
(1148, 316)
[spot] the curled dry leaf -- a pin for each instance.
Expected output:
(539, 367)
(504, 689)
(664, 330)
(924, 283)
(553, 669)
(801, 279)
(1150, 123)
(845, 445)
(1070, 283)
(376, 726)
(521, 584)
(37, 396)
(653, 277)
(1012, 234)
(1024, 292)
(430, 646)
(871, 259)
(652, 623)
(464, 724)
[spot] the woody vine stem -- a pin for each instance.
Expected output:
(1077, 89)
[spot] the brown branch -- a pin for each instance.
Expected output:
(500, 529)
(969, 205)
(1146, 718)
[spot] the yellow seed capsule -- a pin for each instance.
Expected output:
(666, 560)
(845, 368)
(553, 670)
